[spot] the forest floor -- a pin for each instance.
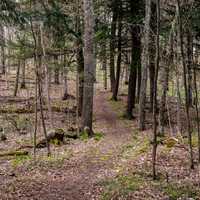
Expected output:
(114, 165)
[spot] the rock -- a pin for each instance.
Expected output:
(53, 136)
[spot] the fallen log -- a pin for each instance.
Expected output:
(13, 153)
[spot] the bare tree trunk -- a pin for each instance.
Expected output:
(3, 58)
(36, 32)
(197, 111)
(56, 71)
(80, 62)
(127, 63)
(145, 64)
(135, 64)
(80, 71)
(119, 58)
(152, 54)
(104, 65)
(89, 66)
(47, 81)
(165, 79)
(66, 95)
(151, 80)
(157, 63)
(187, 107)
(139, 75)
(196, 101)
(178, 94)
(189, 64)
(36, 118)
(40, 94)
(112, 46)
(23, 83)
(17, 78)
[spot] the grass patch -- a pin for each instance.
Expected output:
(136, 147)
(84, 136)
(98, 136)
(121, 186)
(20, 160)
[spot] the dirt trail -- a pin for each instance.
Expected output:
(77, 178)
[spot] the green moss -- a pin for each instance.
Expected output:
(121, 186)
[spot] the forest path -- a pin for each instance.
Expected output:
(77, 178)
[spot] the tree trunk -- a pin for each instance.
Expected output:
(89, 66)
(189, 65)
(17, 78)
(3, 59)
(56, 71)
(119, 58)
(65, 73)
(157, 63)
(135, 64)
(23, 83)
(151, 80)
(145, 64)
(112, 46)
(126, 70)
(164, 82)
(80, 76)
(139, 75)
(197, 111)
(152, 52)
(40, 95)
(104, 65)
(187, 107)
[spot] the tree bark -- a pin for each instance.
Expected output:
(23, 83)
(157, 63)
(112, 45)
(152, 53)
(17, 78)
(89, 66)
(164, 82)
(135, 64)
(187, 107)
(119, 58)
(3, 58)
(56, 71)
(145, 66)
